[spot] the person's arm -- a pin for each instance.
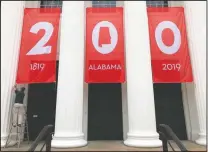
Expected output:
(15, 88)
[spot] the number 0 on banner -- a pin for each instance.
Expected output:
(169, 48)
(37, 59)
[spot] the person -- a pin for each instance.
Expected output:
(18, 108)
(20, 94)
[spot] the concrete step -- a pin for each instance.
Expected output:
(110, 146)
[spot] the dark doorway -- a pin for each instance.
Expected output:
(169, 108)
(105, 112)
(41, 106)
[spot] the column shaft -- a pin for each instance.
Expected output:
(69, 107)
(141, 107)
(195, 14)
(11, 27)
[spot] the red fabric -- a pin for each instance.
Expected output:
(38, 65)
(164, 65)
(104, 67)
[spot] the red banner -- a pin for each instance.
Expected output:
(37, 58)
(104, 46)
(169, 47)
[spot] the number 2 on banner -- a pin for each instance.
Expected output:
(39, 48)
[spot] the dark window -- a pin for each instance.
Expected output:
(103, 3)
(51, 4)
(157, 3)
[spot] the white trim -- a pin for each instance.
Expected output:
(119, 3)
(85, 111)
(124, 110)
(186, 111)
(85, 100)
(124, 88)
(190, 111)
(32, 4)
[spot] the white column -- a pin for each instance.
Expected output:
(141, 108)
(11, 27)
(195, 14)
(69, 107)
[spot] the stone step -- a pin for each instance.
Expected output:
(110, 146)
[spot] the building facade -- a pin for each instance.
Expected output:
(141, 104)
